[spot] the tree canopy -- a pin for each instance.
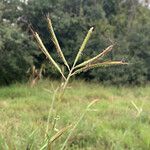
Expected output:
(121, 22)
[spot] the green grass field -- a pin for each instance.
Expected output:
(113, 123)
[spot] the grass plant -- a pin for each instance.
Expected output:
(75, 68)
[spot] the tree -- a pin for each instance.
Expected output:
(124, 23)
(16, 50)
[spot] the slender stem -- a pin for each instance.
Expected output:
(66, 82)
(50, 112)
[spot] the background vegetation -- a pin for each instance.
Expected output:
(113, 123)
(29, 117)
(123, 22)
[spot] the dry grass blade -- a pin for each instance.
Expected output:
(56, 43)
(139, 110)
(83, 45)
(103, 53)
(44, 50)
(92, 103)
(103, 64)
(59, 133)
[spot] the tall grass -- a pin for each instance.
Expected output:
(72, 70)
(113, 123)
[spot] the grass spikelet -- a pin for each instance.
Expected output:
(44, 50)
(56, 43)
(58, 134)
(103, 64)
(83, 45)
(103, 53)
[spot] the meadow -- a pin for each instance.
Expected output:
(120, 120)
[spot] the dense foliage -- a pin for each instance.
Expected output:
(16, 49)
(116, 21)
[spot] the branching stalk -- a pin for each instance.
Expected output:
(75, 69)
